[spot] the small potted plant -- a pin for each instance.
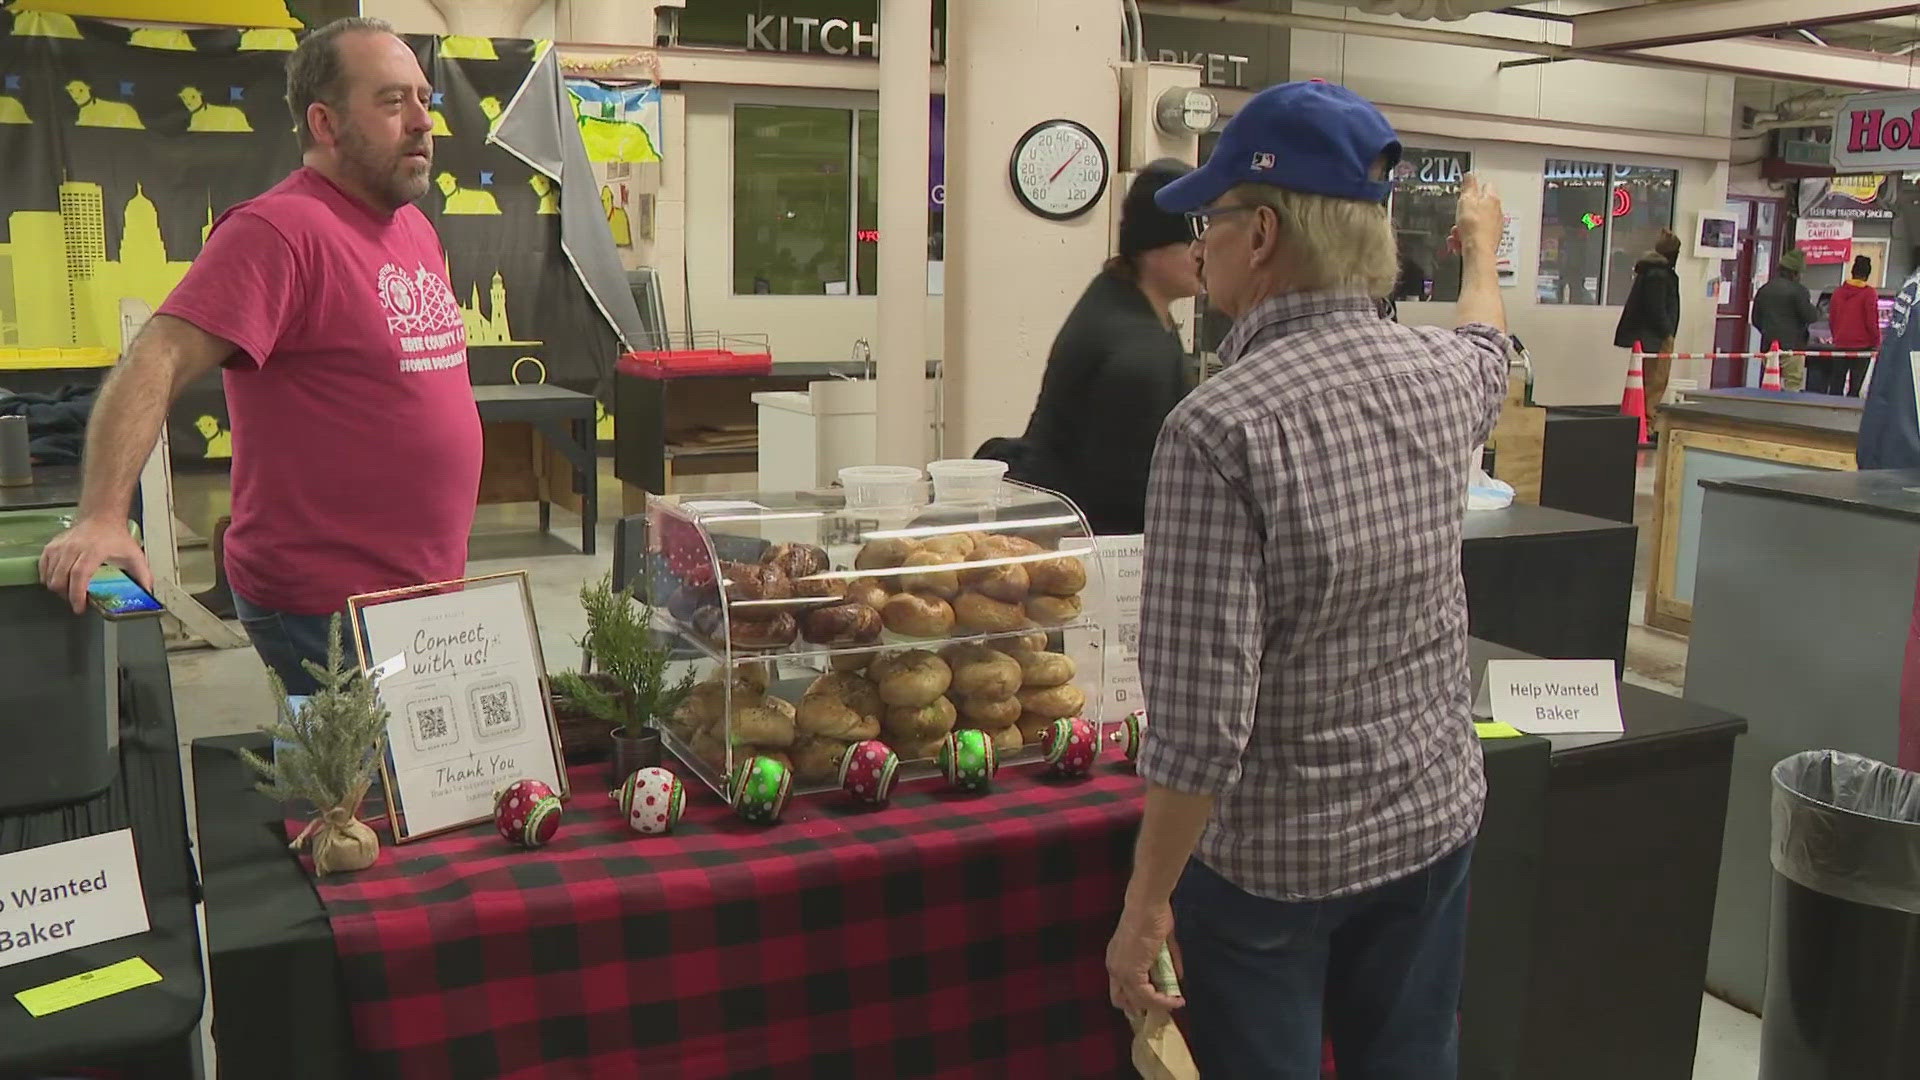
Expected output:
(326, 750)
(629, 686)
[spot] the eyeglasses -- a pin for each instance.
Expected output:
(1199, 220)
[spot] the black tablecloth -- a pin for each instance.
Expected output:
(150, 1031)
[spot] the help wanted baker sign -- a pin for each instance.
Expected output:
(66, 895)
(1552, 697)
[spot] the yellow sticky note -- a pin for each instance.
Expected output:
(88, 986)
(1495, 730)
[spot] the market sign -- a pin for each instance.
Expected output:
(1865, 197)
(1825, 241)
(1229, 56)
(1877, 133)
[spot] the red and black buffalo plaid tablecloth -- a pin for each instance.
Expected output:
(943, 935)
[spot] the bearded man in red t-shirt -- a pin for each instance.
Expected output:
(356, 442)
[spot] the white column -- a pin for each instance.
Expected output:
(1012, 276)
(900, 346)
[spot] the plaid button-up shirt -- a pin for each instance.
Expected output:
(1303, 638)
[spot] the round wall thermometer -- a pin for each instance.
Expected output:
(1059, 169)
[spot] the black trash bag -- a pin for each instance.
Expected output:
(1849, 827)
(1843, 956)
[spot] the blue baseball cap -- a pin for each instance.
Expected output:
(1313, 137)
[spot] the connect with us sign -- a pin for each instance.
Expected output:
(1877, 133)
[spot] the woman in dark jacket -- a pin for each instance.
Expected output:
(1651, 317)
(1117, 367)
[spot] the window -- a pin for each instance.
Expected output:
(1596, 221)
(792, 199)
(806, 204)
(1426, 194)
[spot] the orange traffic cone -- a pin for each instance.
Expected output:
(1770, 375)
(1634, 401)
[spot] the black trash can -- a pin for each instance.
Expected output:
(1843, 958)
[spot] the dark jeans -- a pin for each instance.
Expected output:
(1822, 373)
(1854, 374)
(284, 640)
(1379, 972)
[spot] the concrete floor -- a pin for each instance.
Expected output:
(225, 692)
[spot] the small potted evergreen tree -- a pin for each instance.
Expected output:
(325, 755)
(629, 687)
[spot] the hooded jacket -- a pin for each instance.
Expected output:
(1889, 425)
(1652, 312)
(1782, 311)
(1855, 315)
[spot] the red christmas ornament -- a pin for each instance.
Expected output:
(527, 813)
(1070, 746)
(867, 771)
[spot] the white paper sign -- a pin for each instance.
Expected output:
(1507, 252)
(1552, 697)
(1120, 557)
(469, 709)
(66, 895)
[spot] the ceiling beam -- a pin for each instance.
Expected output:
(1786, 61)
(1780, 61)
(1681, 21)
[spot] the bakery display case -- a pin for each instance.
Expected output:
(822, 624)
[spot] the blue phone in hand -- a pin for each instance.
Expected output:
(118, 596)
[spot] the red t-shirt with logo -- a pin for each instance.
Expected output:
(356, 441)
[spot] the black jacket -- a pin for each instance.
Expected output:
(1652, 313)
(1782, 311)
(1113, 375)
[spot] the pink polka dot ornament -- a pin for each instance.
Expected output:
(1070, 746)
(867, 772)
(527, 813)
(652, 800)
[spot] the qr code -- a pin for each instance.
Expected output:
(430, 723)
(496, 709)
(1129, 633)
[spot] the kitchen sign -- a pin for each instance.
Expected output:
(1877, 133)
(843, 29)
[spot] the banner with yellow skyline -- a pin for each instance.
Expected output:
(121, 147)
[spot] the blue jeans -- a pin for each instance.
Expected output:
(284, 640)
(1379, 972)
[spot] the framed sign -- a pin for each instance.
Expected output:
(463, 676)
(1716, 236)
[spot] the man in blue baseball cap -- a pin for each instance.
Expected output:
(1314, 777)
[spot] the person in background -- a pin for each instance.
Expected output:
(324, 301)
(1117, 366)
(1782, 312)
(1889, 417)
(1314, 780)
(1651, 316)
(1855, 318)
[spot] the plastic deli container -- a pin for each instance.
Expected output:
(881, 485)
(966, 479)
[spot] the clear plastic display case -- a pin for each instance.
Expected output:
(821, 624)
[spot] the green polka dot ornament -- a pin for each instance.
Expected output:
(759, 789)
(967, 759)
